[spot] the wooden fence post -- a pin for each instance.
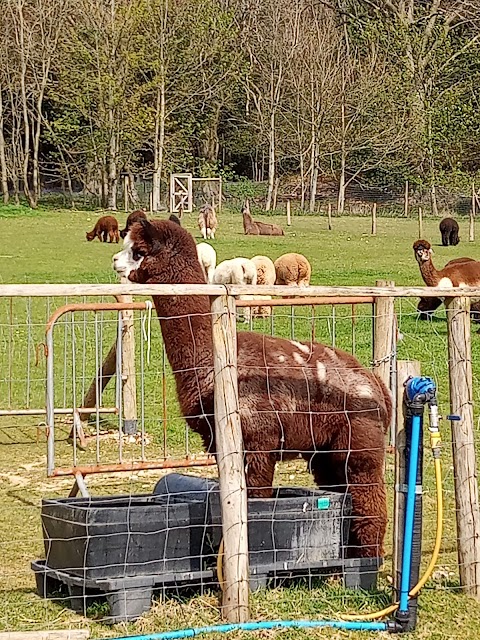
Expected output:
(420, 223)
(289, 214)
(471, 230)
(463, 444)
(129, 383)
(405, 369)
(229, 451)
(374, 219)
(329, 216)
(384, 323)
(406, 199)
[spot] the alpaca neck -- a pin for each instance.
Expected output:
(430, 275)
(187, 334)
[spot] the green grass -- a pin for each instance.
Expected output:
(50, 246)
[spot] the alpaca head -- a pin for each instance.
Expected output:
(159, 251)
(90, 235)
(175, 219)
(422, 250)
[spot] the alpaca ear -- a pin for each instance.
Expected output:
(152, 236)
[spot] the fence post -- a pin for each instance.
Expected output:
(420, 223)
(374, 219)
(129, 384)
(405, 369)
(289, 216)
(125, 193)
(229, 450)
(406, 199)
(329, 216)
(383, 326)
(471, 230)
(463, 443)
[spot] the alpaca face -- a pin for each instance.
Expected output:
(159, 251)
(128, 259)
(422, 250)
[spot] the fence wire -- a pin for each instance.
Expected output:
(145, 534)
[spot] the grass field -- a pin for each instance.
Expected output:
(50, 246)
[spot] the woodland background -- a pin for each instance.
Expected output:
(340, 92)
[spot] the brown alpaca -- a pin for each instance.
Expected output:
(293, 269)
(207, 222)
(426, 306)
(106, 228)
(294, 397)
(135, 216)
(454, 273)
(253, 227)
(449, 230)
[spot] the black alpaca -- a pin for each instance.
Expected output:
(449, 230)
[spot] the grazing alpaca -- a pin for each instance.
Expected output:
(426, 306)
(449, 230)
(106, 228)
(135, 216)
(207, 256)
(265, 275)
(293, 397)
(207, 222)
(293, 269)
(253, 227)
(454, 274)
(237, 271)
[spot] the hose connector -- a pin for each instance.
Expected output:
(419, 390)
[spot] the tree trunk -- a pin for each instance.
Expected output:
(313, 169)
(343, 162)
(431, 166)
(112, 168)
(341, 187)
(159, 145)
(26, 120)
(3, 159)
(271, 162)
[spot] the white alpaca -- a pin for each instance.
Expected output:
(207, 256)
(237, 271)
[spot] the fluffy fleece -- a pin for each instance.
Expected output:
(294, 397)
(237, 271)
(207, 256)
(293, 269)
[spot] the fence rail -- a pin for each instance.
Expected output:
(388, 311)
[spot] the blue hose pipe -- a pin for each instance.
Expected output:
(258, 626)
(410, 514)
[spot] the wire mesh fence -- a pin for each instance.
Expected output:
(144, 534)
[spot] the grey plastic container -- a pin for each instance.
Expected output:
(114, 537)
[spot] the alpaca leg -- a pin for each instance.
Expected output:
(355, 465)
(369, 515)
(259, 471)
(204, 233)
(444, 239)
